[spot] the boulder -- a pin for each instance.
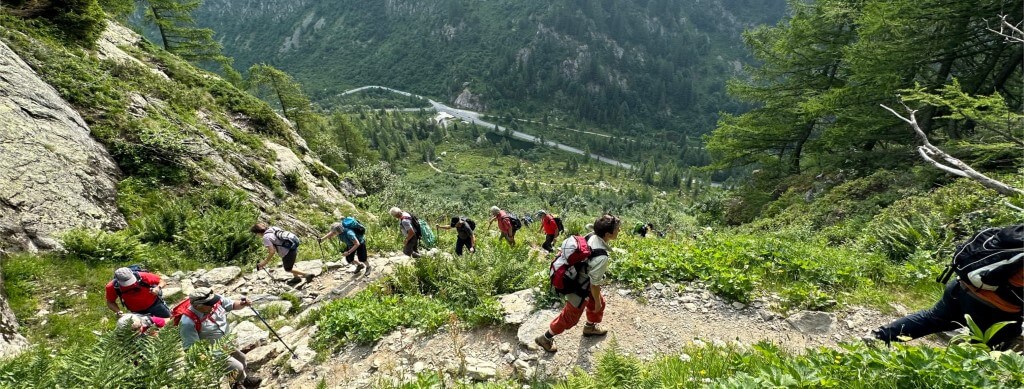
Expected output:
(248, 335)
(303, 356)
(310, 267)
(535, 325)
(480, 370)
(812, 322)
(517, 306)
(260, 356)
(219, 276)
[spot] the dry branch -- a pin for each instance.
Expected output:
(1012, 32)
(948, 163)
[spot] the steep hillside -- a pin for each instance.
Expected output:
(120, 153)
(637, 67)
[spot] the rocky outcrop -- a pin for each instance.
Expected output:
(470, 101)
(56, 177)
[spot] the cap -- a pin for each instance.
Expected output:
(203, 296)
(125, 277)
(495, 210)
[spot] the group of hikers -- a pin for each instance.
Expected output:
(989, 282)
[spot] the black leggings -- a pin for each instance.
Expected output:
(360, 251)
(548, 241)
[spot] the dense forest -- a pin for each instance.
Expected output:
(639, 67)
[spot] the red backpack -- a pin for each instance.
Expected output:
(565, 271)
(184, 309)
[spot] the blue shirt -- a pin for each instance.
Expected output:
(348, 237)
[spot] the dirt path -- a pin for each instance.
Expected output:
(646, 324)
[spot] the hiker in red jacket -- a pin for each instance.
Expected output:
(139, 292)
(504, 225)
(549, 228)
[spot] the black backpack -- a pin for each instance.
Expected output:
(558, 222)
(515, 222)
(416, 225)
(470, 222)
(984, 252)
(136, 269)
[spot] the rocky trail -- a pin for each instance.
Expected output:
(661, 319)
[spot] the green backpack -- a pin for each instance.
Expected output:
(427, 235)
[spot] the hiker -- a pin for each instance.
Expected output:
(283, 243)
(464, 228)
(139, 292)
(589, 279)
(211, 311)
(505, 224)
(409, 225)
(350, 232)
(991, 291)
(550, 229)
(644, 229)
(139, 323)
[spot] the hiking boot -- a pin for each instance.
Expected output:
(593, 330)
(309, 278)
(545, 343)
(294, 281)
(359, 268)
(252, 382)
(368, 268)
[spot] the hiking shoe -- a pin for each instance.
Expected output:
(368, 268)
(359, 268)
(252, 382)
(593, 330)
(294, 281)
(309, 278)
(545, 343)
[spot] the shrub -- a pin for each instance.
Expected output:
(368, 316)
(97, 247)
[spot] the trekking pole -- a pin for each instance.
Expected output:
(294, 356)
(323, 257)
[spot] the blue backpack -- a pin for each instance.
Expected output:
(350, 223)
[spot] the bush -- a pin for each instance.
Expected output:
(100, 247)
(368, 316)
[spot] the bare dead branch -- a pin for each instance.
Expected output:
(1011, 32)
(949, 163)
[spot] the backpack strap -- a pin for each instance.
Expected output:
(139, 282)
(199, 322)
(594, 253)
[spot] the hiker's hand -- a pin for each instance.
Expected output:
(472, 250)
(155, 290)
(260, 266)
(598, 305)
(319, 239)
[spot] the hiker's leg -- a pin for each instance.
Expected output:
(592, 315)
(158, 309)
(289, 262)
(236, 366)
(349, 258)
(941, 317)
(568, 318)
(548, 240)
(409, 247)
(361, 254)
(985, 315)
(459, 244)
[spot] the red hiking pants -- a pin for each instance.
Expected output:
(570, 315)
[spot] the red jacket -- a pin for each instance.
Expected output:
(136, 298)
(549, 225)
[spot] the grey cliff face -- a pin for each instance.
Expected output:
(56, 177)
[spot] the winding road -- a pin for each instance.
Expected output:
(474, 118)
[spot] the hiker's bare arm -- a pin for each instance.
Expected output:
(409, 235)
(595, 294)
(329, 235)
(440, 227)
(351, 249)
(270, 254)
(113, 307)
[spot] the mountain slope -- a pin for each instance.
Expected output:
(629, 65)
